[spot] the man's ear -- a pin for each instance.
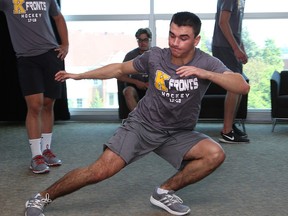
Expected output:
(197, 40)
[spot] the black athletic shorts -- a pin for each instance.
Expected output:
(226, 55)
(36, 74)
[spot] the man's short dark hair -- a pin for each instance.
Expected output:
(143, 31)
(187, 19)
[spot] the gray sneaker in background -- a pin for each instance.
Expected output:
(169, 202)
(35, 205)
(50, 158)
(38, 165)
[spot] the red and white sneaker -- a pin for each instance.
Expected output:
(38, 165)
(50, 158)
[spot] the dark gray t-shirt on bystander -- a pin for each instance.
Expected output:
(236, 7)
(30, 26)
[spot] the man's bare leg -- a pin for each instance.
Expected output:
(106, 166)
(232, 102)
(131, 97)
(205, 157)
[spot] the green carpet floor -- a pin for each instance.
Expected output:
(251, 182)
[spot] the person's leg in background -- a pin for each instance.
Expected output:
(33, 126)
(230, 133)
(131, 97)
(47, 118)
(36, 75)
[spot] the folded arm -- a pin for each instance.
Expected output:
(230, 81)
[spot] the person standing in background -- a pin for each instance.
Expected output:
(39, 57)
(227, 46)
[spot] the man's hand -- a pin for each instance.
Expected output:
(141, 85)
(241, 56)
(185, 71)
(61, 76)
(62, 51)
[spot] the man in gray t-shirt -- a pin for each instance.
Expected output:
(163, 121)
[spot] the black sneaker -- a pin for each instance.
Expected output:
(232, 137)
(238, 131)
(169, 202)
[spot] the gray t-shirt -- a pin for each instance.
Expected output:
(140, 76)
(171, 102)
(30, 26)
(236, 7)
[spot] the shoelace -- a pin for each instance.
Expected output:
(39, 160)
(48, 153)
(39, 203)
(172, 199)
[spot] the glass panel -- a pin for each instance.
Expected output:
(195, 6)
(266, 6)
(90, 7)
(267, 47)
(209, 6)
(92, 45)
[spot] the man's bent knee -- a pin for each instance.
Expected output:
(216, 158)
(106, 166)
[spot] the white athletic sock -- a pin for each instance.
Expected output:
(35, 147)
(46, 141)
(161, 191)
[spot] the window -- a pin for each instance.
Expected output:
(100, 34)
(79, 102)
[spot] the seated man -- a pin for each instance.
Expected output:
(136, 84)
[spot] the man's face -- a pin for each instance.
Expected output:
(182, 41)
(144, 42)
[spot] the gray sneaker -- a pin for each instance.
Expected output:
(38, 165)
(169, 202)
(35, 205)
(50, 158)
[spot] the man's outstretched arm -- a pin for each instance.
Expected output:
(114, 70)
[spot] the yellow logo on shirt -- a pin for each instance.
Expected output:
(160, 80)
(18, 7)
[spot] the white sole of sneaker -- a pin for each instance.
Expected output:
(41, 171)
(231, 142)
(54, 165)
(161, 205)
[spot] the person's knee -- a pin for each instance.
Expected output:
(128, 91)
(216, 157)
(106, 166)
(130, 94)
(96, 173)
